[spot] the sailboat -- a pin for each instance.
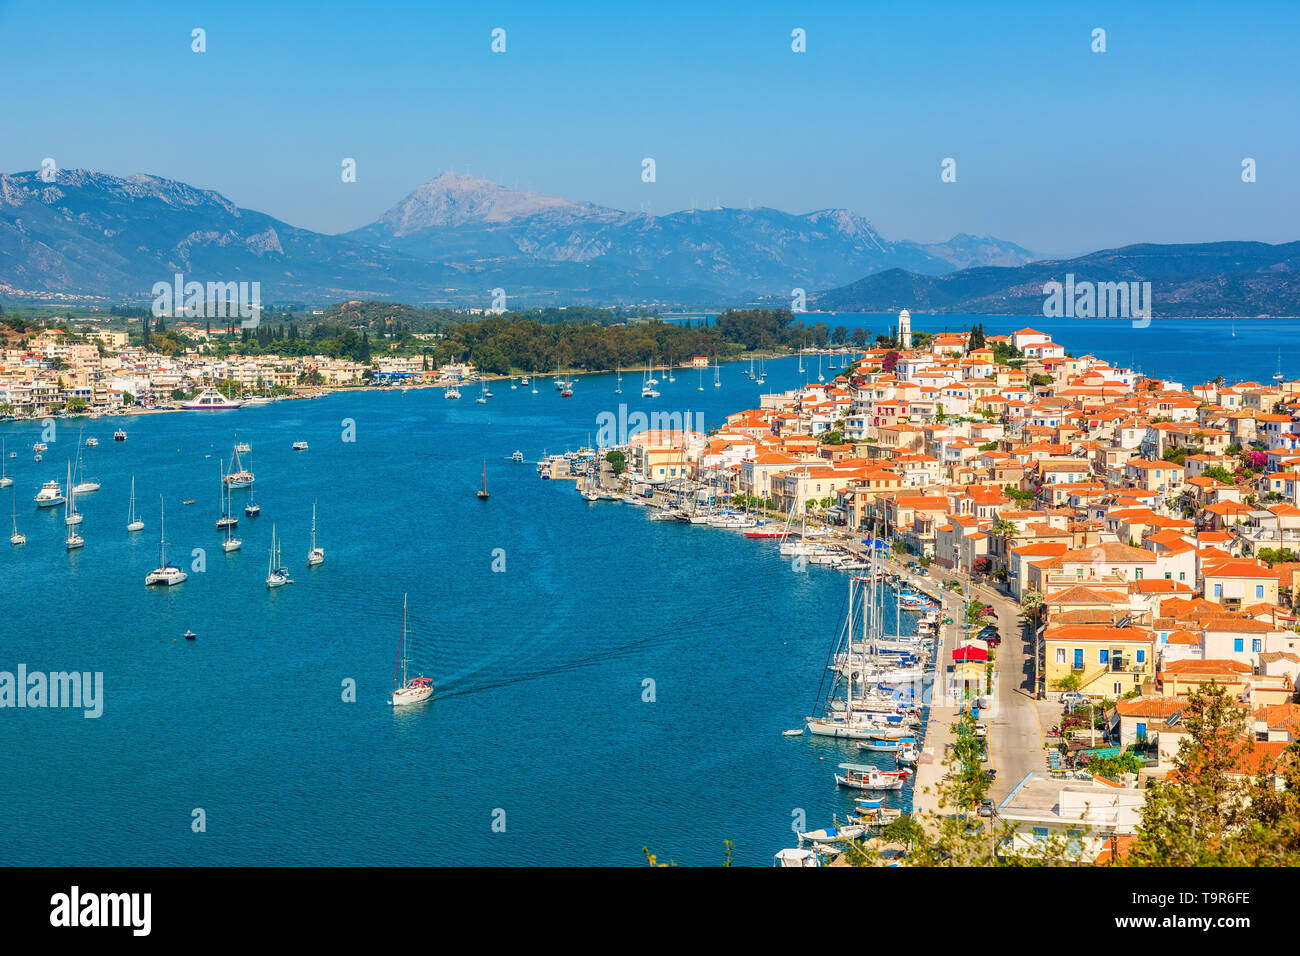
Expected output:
(410, 690)
(717, 373)
(648, 385)
(276, 575)
(231, 543)
(483, 492)
(226, 520)
(618, 381)
(252, 509)
(820, 376)
(750, 373)
(762, 372)
(482, 395)
(5, 480)
(71, 515)
(165, 573)
(701, 388)
(1277, 376)
(74, 540)
(316, 555)
(17, 538)
(133, 523)
(84, 484)
(238, 476)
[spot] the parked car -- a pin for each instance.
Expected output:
(986, 808)
(981, 730)
(1073, 700)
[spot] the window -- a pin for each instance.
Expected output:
(1259, 590)
(1182, 575)
(1118, 689)
(1141, 655)
(1168, 575)
(1256, 645)
(1078, 658)
(1218, 590)
(1137, 574)
(1040, 834)
(1236, 645)
(1103, 657)
(1060, 655)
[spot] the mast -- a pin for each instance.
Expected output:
(162, 532)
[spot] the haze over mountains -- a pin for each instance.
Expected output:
(451, 240)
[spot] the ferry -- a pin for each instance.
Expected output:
(210, 400)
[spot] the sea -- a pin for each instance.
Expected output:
(607, 686)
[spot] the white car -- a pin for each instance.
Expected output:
(1073, 700)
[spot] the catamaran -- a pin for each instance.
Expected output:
(17, 537)
(316, 555)
(238, 476)
(277, 576)
(410, 690)
(165, 574)
(133, 523)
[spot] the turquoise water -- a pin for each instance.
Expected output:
(540, 668)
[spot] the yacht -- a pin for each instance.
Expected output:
(50, 495)
(242, 447)
(119, 435)
(277, 576)
(17, 537)
(165, 574)
(92, 442)
(133, 522)
(210, 399)
(517, 457)
(300, 446)
(316, 555)
(411, 690)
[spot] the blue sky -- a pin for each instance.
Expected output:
(1058, 148)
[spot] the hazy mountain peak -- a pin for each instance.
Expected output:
(455, 199)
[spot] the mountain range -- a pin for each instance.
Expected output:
(452, 240)
(1238, 279)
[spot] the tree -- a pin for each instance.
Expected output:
(976, 340)
(617, 460)
(1210, 811)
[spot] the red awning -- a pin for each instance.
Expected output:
(969, 652)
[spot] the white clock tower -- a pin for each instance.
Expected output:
(905, 329)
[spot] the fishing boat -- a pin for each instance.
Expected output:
(277, 576)
(133, 522)
(17, 537)
(210, 400)
(50, 495)
(119, 435)
(238, 476)
(908, 756)
(883, 743)
(5, 480)
(833, 834)
(300, 446)
(483, 492)
(409, 690)
(316, 555)
(165, 574)
(866, 777)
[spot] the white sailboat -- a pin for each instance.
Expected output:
(277, 576)
(316, 555)
(482, 395)
(5, 480)
(133, 522)
(165, 574)
(17, 537)
(238, 476)
(74, 540)
(647, 387)
(618, 381)
(410, 690)
(84, 485)
(701, 388)
(717, 373)
(231, 543)
(226, 519)
(71, 515)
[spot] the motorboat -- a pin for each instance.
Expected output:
(300, 446)
(866, 777)
(50, 495)
(210, 400)
(833, 834)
